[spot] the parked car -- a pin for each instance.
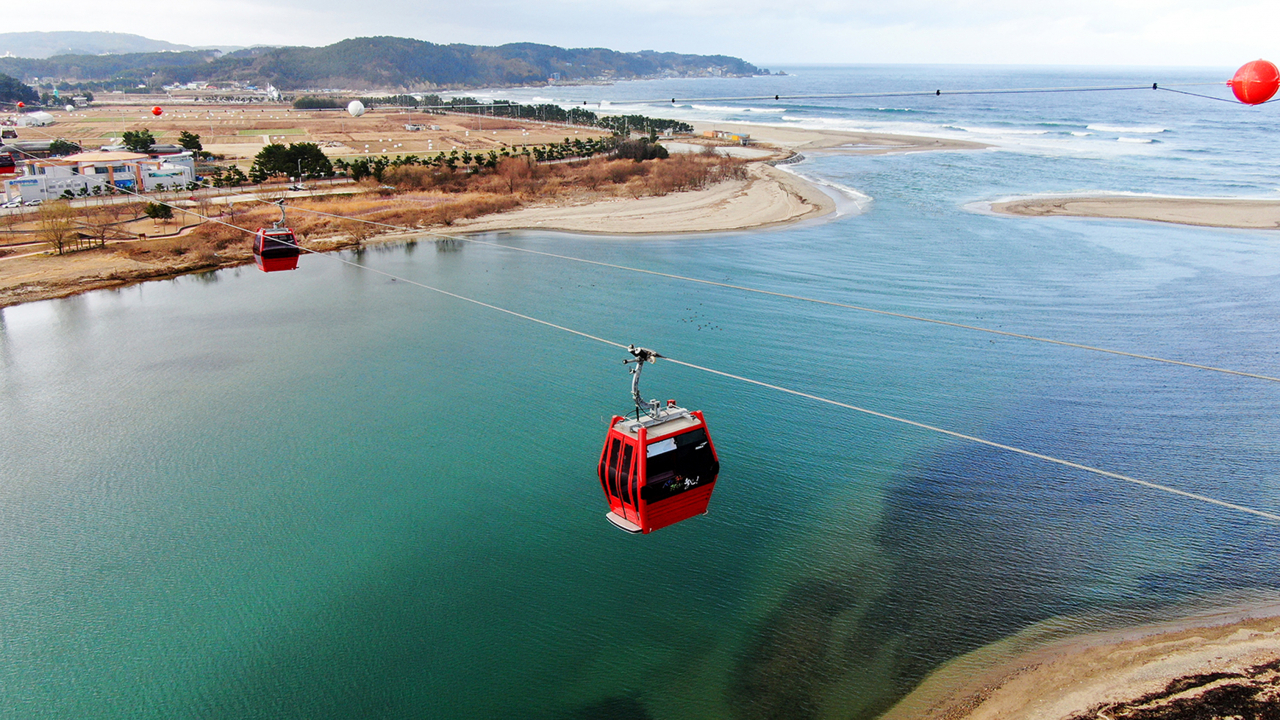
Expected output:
(33, 203)
(16, 202)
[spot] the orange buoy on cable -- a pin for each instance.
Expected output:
(1255, 82)
(21, 104)
(157, 111)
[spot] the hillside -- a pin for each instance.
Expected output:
(48, 44)
(386, 63)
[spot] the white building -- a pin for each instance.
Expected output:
(38, 118)
(80, 174)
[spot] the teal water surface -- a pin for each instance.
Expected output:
(328, 494)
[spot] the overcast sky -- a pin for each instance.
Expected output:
(765, 32)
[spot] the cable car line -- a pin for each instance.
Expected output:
(937, 92)
(1200, 95)
(779, 388)
(988, 443)
(888, 313)
(828, 401)
(802, 298)
(744, 288)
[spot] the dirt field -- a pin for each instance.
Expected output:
(239, 132)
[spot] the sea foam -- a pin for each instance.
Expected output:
(1127, 128)
(731, 110)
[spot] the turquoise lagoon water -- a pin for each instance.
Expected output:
(327, 494)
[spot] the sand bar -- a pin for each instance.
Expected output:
(838, 141)
(767, 197)
(1245, 213)
(1169, 670)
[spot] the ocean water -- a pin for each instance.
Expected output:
(327, 494)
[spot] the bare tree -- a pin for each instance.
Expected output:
(357, 231)
(56, 225)
(11, 220)
(100, 226)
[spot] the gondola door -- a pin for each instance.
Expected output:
(623, 503)
(619, 477)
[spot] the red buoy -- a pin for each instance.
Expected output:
(1255, 82)
(156, 111)
(658, 468)
(21, 104)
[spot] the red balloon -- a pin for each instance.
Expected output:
(156, 111)
(1255, 82)
(21, 104)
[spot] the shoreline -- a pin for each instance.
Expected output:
(1215, 212)
(1054, 671)
(768, 197)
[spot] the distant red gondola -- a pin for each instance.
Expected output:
(660, 467)
(276, 248)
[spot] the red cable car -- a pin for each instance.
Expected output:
(660, 467)
(275, 248)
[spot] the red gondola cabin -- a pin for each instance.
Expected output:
(275, 249)
(657, 470)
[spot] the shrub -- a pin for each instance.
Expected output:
(639, 150)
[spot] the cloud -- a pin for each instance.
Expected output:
(1085, 32)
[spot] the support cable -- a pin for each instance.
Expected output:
(779, 388)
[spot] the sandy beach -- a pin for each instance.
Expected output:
(1246, 213)
(1221, 663)
(767, 197)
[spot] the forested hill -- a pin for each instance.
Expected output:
(65, 42)
(373, 63)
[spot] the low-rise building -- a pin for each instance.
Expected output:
(38, 118)
(731, 136)
(91, 173)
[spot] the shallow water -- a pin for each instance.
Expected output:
(325, 494)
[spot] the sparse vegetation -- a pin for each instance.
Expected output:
(63, 147)
(56, 226)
